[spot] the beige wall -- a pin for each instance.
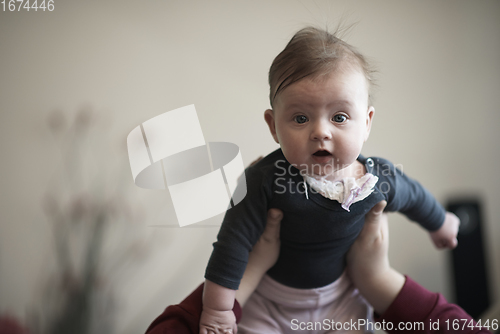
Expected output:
(436, 114)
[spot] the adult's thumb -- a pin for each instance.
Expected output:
(378, 209)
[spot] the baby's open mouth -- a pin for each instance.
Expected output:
(322, 153)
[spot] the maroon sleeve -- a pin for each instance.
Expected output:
(416, 307)
(184, 318)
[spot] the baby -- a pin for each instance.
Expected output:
(321, 116)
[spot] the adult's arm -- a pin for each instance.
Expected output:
(395, 298)
(416, 306)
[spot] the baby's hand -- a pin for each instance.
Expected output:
(446, 236)
(217, 322)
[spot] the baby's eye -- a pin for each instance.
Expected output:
(300, 119)
(339, 118)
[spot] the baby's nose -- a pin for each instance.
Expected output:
(321, 131)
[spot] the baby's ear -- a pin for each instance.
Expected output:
(269, 117)
(369, 119)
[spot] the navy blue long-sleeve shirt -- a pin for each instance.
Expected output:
(315, 233)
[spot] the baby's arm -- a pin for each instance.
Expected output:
(217, 315)
(241, 228)
(263, 256)
(218, 301)
(446, 235)
(410, 198)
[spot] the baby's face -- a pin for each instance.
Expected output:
(321, 124)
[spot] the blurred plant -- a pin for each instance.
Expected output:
(95, 238)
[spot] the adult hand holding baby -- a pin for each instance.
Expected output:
(368, 262)
(368, 267)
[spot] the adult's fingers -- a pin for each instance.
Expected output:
(373, 219)
(256, 160)
(377, 210)
(272, 231)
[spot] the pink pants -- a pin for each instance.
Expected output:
(276, 308)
